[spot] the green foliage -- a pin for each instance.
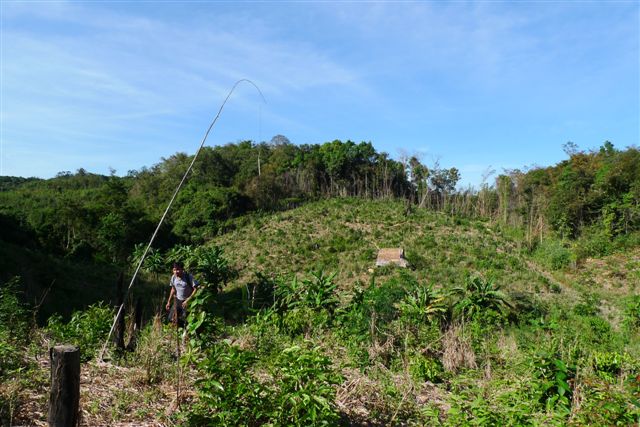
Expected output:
(209, 264)
(555, 377)
(306, 393)
(423, 368)
(553, 254)
(301, 391)
(305, 305)
(608, 365)
(422, 304)
(228, 394)
(179, 253)
(14, 326)
(605, 405)
(588, 306)
(478, 295)
(632, 312)
(86, 329)
(315, 292)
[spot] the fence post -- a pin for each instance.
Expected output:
(64, 399)
(120, 326)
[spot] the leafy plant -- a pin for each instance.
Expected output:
(316, 292)
(423, 368)
(228, 394)
(555, 377)
(608, 365)
(306, 390)
(632, 312)
(87, 329)
(423, 304)
(477, 295)
(209, 264)
(14, 325)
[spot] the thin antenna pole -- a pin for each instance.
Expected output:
(166, 211)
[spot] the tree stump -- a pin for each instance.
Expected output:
(64, 399)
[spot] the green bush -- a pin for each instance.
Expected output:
(632, 312)
(305, 389)
(555, 376)
(14, 326)
(478, 296)
(228, 394)
(608, 365)
(87, 329)
(301, 391)
(422, 304)
(423, 368)
(553, 254)
(592, 244)
(588, 305)
(604, 405)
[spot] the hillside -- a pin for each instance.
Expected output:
(344, 235)
(477, 332)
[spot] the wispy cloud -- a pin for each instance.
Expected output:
(100, 72)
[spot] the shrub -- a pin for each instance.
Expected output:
(632, 312)
(553, 254)
(477, 296)
(588, 306)
(554, 375)
(423, 368)
(228, 394)
(305, 304)
(592, 244)
(302, 392)
(317, 292)
(608, 365)
(306, 392)
(422, 304)
(14, 325)
(87, 329)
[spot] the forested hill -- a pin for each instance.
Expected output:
(84, 216)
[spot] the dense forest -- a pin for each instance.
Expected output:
(520, 306)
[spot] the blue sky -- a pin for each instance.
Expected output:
(475, 85)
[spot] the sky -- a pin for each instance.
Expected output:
(481, 86)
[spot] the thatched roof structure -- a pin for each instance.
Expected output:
(388, 256)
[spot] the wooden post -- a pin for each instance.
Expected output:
(120, 326)
(137, 326)
(64, 399)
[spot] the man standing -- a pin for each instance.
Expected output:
(183, 287)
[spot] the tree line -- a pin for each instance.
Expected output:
(95, 217)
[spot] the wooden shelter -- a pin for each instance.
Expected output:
(393, 256)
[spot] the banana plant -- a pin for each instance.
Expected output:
(477, 295)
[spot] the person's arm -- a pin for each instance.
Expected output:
(184, 304)
(173, 291)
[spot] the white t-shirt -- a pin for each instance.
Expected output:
(184, 287)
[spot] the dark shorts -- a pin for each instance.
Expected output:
(182, 313)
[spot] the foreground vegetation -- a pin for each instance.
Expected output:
(477, 332)
(521, 305)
